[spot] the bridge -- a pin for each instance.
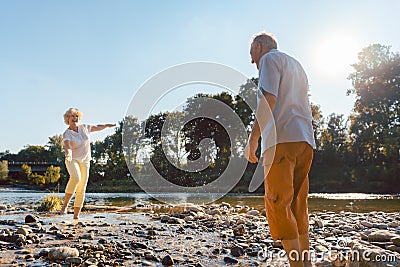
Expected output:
(39, 167)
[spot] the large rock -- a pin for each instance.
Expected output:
(31, 219)
(61, 253)
(167, 261)
(185, 207)
(396, 240)
(366, 255)
(381, 236)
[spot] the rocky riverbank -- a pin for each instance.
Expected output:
(188, 235)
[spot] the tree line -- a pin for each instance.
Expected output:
(357, 153)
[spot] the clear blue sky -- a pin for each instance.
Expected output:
(94, 55)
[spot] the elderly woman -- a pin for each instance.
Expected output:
(77, 157)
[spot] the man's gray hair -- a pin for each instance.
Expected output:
(267, 40)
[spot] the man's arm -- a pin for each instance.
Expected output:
(252, 143)
(271, 100)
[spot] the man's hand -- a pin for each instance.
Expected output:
(250, 150)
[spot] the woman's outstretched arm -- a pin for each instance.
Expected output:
(100, 127)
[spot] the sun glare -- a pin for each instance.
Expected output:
(335, 53)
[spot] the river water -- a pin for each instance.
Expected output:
(354, 202)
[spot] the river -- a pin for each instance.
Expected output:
(353, 202)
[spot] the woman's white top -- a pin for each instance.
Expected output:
(79, 142)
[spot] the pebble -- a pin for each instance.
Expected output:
(381, 236)
(167, 261)
(228, 259)
(74, 260)
(61, 253)
(23, 231)
(367, 224)
(240, 230)
(237, 251)
(31, 219)
(396, 240)
(192, 237)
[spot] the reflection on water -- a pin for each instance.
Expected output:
(331, 202)
(317, 202)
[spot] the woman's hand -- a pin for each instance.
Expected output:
(100, 127)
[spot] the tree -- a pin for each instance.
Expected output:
(52, 175)
(37, 179)
(26, 171)
(173, 138)
(108, 157)
(333, 139)
(214, 127)
(132, 139)
(246, 99)
(244, 104)
(32, 153)
(55, 148)
(375, 121)
(318, 124)
(153, 134)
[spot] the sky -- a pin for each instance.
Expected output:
(94, 55)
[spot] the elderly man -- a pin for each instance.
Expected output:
(283, 86)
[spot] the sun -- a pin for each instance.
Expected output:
(335, 53)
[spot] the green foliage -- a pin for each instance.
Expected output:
(108, 157)
(334, 140)
(55, 148)
(34, 154)
(50, 203)
(318, 124)
(132, 139)
(52, 175)
(37, 179)
(26, 171)
(359, 153)
(375, 123)
(3, 170)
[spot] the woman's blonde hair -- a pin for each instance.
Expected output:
(70, 112)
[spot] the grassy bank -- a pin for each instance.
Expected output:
(357, 179)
